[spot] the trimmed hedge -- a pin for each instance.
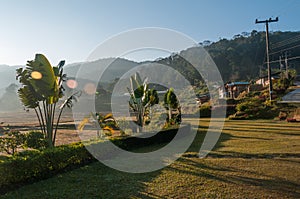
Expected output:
(31, 166)
(164, 136)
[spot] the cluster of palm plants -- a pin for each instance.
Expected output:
(142, 98)
(42, 88)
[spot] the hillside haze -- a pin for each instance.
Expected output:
(110, 67)
(7, 77)
(240, 58)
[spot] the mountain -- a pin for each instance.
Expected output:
(239, 58)
(92, 70)
(7, 77)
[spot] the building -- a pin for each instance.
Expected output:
(293, 98)
(233, 89)
(264, 81)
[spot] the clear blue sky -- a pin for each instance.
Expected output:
(71, 29)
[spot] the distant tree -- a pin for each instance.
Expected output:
(9, 101)
(206, 42)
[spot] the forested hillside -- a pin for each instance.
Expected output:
(242, 57)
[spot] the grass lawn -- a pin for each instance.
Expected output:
(253, 159)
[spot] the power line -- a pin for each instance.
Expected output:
(280, 51)
(286, 42)
(276, 61)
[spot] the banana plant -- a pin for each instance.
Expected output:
(42, 87)
(105, 122)
(141, 99)
(171, 103)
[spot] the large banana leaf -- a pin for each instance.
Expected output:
(47, 85)
(28, 98)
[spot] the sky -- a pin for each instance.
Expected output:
(71, 29)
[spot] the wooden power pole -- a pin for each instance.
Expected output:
(270, 20)
(286, 65)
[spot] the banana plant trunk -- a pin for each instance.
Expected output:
(140, 118)
(170, 112)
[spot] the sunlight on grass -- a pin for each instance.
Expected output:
(253, 159)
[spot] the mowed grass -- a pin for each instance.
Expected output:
(253, 159)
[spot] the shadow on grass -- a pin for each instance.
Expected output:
(91, 181)
(96, 180)
(236, 176)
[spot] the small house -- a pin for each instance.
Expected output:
(264, 80)
(233, 89)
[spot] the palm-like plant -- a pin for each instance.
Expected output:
(41, 90)
(105, 122)
(141, 99)
(171, 103)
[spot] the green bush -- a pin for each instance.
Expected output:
(30, 166)
(11, 141)
(33, 165)
(242, 106)
(35, 140)
(205, 110)
(255, 108)
(164, 136)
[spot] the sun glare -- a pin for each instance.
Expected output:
(71, 83)
(90, 89)
(36, 75)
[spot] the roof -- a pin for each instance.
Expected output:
(273, 75)
(238, 83)
(291, 97)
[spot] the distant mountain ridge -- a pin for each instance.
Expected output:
(92, 70)
(7, 75)
(239, 58)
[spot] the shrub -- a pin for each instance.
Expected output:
(29, 166)
(164, 136)
(35, 140)
(242, 106)
(11, 141)
(205, 110)
(282, 84)
(255, 108)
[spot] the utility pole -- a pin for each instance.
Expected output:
(270, 20)
(286, 65)
(280, 64)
